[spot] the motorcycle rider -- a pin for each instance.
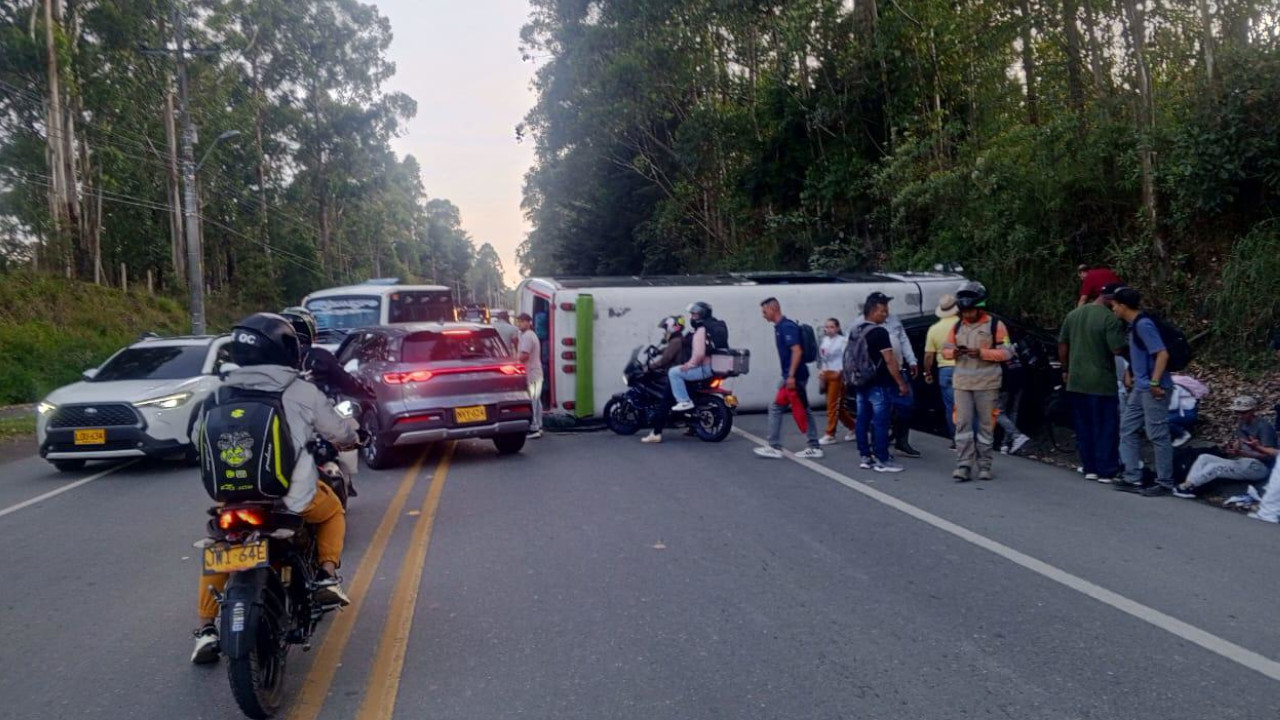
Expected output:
(323, 367)
(267, 351)
(698, 366)
(672, 330)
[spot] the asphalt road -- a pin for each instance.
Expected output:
(596, 577)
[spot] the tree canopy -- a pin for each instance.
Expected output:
(305, 193)
(1017, 137)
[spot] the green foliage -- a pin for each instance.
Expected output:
(17, 427)
(51, 330)
(1246, 310)
(1016, 139)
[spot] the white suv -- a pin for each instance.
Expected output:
(140, 402)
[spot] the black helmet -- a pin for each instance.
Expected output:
(304, 324)
(971, 295)
(265, 339)
(698, 313)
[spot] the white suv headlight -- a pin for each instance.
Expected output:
(166, 402)
(44, 408)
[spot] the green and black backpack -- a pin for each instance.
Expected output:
(246, 450)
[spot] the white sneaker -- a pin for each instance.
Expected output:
(1091, 476)
(811, 453)
(867, 463)
(1181, 439)
(206, 645)
(1019, 442)
(768, 452)
(850, 436)
(681, 407)
(1106, 480)
(330, 592)
(827, 440)
(887, 467)
(651, 438)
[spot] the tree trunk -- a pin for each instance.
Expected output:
(1095, 49)
(1206, 26)
(1075, 81)
(1145, 117)
(1029, 63)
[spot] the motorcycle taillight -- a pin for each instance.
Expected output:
(234, 517)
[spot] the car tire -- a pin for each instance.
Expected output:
(509, 444)
(68, 465)
(377, 454)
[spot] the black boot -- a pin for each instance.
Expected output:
(902, 441)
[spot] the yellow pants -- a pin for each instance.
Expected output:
(325, 513)
(836, 410)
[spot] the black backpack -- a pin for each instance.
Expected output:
(246, 450)
(808, 343)
(717, 334)
(859, 367)
(1175, 341)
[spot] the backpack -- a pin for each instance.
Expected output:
(717, 334)
(1175, 341)
(808, 343)
(246, 450)
(859, 368)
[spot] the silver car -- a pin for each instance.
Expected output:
(434, 382)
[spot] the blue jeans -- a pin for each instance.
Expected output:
(1144, 410)
(875, 406)
(1180, 421)
(1097, 424)
(948, 392)
(678, 378)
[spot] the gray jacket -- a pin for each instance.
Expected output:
(308, 413)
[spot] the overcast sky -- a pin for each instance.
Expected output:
(460, 59)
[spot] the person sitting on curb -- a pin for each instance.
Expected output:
(1248, 464)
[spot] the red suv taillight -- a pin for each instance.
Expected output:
(421, 376)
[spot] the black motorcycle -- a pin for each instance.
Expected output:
(269, 603)
(648, 390)
(327, 456)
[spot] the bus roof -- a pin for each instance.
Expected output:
(377, 290)
(743, 278)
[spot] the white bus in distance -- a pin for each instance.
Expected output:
(626, 311)
(376, 302)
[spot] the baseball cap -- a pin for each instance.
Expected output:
(1110, 289)
(1129, 297)
(878, 297)
(525, 316)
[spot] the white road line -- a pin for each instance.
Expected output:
(65, 488)
(1190, 633)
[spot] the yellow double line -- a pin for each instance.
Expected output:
(384, 676)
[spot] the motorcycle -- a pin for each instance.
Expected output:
(269, 602)
(336, 464)
(647, 390)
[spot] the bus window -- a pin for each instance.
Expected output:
(428, 306)
(336, 316)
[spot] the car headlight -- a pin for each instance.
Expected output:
(166, 402)
(44, 408)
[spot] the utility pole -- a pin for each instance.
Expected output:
(190, 208)
(195, 253)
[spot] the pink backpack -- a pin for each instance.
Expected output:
(1197, 389)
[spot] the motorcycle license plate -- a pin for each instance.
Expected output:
(223, 558)
(471, 414)
(91, 437)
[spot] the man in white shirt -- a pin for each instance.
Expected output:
(831, 381)
(530, 353)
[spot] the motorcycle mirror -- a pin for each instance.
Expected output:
(227, 367)
(352, 365)
(346, 408)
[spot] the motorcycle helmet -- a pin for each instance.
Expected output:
(971, 295)
(303, 322)
(671, 325)
(698, 313)
(265, 339)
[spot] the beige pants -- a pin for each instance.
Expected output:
(975, 428)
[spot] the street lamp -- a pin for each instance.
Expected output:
(224, 136)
